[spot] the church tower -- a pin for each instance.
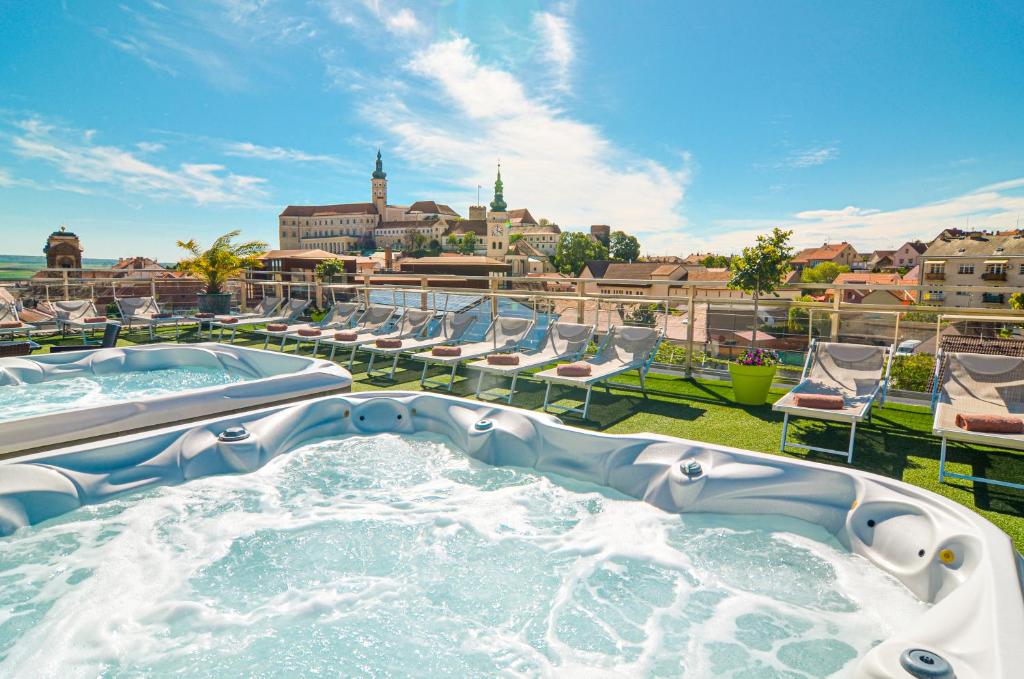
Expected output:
(379, 188)
(497, 222)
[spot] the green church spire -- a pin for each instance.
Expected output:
(379, 172)
(498, 204)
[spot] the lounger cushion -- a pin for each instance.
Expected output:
(503, 359)
(578, 369)
(11, 324)
(162, 314)
(227, 319)
(277, 327)
(820, 401)
(446, 351)
(95, 319)
(389, 343)
(309, 332)
(204, 314)
(994, 424)
(346, 336)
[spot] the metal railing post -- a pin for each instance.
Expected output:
(494, 297)
(580, 305)
(424, 284)
(834, 334)
(691, 308)
(67, 290)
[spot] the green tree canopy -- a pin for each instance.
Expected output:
(623, 248)
(222, 261)
(1017, 300)
(826, 272)
(467, 244)
(574, 250)
(329, 268)
(761, 267)
(716, 262)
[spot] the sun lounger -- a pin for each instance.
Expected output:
(372, 324)
(563, 341)
(11, 325)
(79, 315)
(267, 306)
(624, 348)
(287, 313)
(858, 373)
(145, 311)
(415, 323)
(337, 317)
(978, 384)
(505, 333)
(451, 329)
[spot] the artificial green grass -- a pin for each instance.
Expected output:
(897, 443)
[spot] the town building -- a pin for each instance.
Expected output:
(909, 254)
(978, 258)
(869, 294)
(63, 250)
(645, 278)
(842, 254)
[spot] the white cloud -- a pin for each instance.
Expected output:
(403, 22)
(250, 150)
(559, 167)
(996, 206)
(90, 163)
(6, 179)
(556, 44)
(149, 147)
(810, 157)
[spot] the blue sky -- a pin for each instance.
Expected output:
(693, 125)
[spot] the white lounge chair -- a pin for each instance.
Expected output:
(451, 329)
(983, 385)
(337, 317)
(859, 373)
(624, 348)
(414, 324)
(11, 324)
(145, 311)
(71, 314)
(563, 342)
(287, 313)
(371, 325)
(505, 333)
(267, 306)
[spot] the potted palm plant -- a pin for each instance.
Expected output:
(219, 263)
(758, 272)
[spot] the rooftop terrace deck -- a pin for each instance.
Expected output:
(897, 443)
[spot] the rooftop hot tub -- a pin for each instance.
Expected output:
(416, 534)
(52, 399)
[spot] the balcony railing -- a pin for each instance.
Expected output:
(993, 276)
(992, 298)
(935, 275)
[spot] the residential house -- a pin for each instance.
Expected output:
(842, 254)
(643, 278)
(881, 260)
(976, 259)
(869, 294)
(909, 254)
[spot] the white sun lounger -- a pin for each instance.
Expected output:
(9, 315)
(451, 329)
(415, 323)
(145, 311)
(267, 306)
(563, 342)
(505, 333)
(337, 317)
(857, 372)
(288, 313)
(624, 348)
(978, 384)
(71, 315)
(371, 325)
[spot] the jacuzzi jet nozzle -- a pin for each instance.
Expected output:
(924, 664)
(230, 434)
(691, 468)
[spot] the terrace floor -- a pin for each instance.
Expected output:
(897, 442)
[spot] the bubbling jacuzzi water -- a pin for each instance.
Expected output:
(400, 556)
(88, 390)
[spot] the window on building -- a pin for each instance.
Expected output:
(965, 268)
(995, 268)
(936, 268)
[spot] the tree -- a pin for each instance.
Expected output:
(623, 248)
(453, 241)
(574, 250)
(515, 238)
(543, 221)
(329, 268)
(759, 270)
(1017, 300)
(826, 272)
(434, 246)
(467, 244)
(716, 262)
(222, 261)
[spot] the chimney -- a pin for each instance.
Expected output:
(387, 258)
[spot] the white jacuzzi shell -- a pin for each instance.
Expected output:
(976, 622)
(271, 377)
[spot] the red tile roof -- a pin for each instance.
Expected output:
(340, 209)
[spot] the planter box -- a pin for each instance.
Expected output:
(219, 303)
(750, 383)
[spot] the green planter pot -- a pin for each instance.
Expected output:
(750, 383)
(218, 303)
